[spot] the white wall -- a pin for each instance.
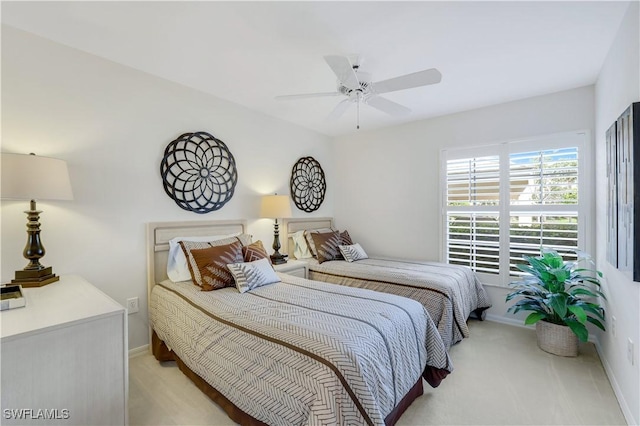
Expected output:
(617, 87)
(111, 124)
(394, 173)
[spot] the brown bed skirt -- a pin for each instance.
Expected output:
(163, 353)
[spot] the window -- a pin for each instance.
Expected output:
(502, 202)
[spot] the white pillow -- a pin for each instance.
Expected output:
(250, 275)
(300, 246)
(177, 268)
(353, 252)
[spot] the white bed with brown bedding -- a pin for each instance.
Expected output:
(295, 351)
(450, 293)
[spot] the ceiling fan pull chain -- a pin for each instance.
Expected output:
(358, 111)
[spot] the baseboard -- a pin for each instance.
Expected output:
(626, 411)
(519, 323)
(516, 322)
(140, 350)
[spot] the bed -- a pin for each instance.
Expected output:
(292, 352)
(450, 293)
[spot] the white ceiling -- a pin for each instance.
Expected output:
(250, 52)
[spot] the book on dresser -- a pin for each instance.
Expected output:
(11, 297)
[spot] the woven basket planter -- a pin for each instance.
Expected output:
(556, 339)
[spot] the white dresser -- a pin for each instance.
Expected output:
(64, 357)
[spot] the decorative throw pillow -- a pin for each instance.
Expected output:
(188, 245)
(326, 245)
(212, 271)
(353, 252)
(300, 246)
(177, 268)
(309, 238)
(250, 275)
(255, 251)
(345, 240)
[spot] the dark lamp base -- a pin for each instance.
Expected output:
(278, 259)
(35, 278)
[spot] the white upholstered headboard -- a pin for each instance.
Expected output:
(291, 226)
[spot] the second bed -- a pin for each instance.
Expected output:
(450, 293)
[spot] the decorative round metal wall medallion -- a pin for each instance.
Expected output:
(198, 172)
(307, 184)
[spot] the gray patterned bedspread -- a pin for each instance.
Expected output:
(449, 292)
(301, 352)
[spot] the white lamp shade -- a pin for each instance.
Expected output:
(30, 177)
(275, 206)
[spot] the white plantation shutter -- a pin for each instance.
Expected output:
(547, 177)
(473, 241)
(473, 181)
(530, 231)
(543, 189)
(505, 201)
(472, 203)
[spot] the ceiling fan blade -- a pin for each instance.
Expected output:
(416, 79)
(339, 110)
(343, 70)
(306, 95)
(385, 105)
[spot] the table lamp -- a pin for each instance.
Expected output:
(30, 177)
(276, 207)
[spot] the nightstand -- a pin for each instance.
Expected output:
(293, 267)
(65, 352)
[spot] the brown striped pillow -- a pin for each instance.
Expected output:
(345, 240)
(212, 262)
(255, 251)
(327, 246)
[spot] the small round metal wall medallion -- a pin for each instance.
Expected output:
(307, 184)
(198, 172)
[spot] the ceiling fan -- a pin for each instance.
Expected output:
(357, 87)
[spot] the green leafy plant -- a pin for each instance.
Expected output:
(560, 292)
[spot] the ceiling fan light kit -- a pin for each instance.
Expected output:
(357, 87)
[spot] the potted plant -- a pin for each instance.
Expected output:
(562, 296)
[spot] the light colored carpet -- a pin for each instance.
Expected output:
(500, 378)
